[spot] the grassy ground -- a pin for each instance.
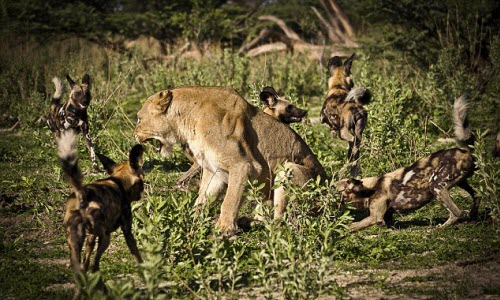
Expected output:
(303, 256)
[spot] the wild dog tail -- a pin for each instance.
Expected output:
(68, 158)
(359, 95)
(461, 125)
(56, 98)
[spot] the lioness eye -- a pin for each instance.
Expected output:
(138, 120)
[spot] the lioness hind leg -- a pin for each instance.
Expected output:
(211, 186)
(300, 175)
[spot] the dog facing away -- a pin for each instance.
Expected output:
(73, 113)
(108, 199)
(275, 106)
(343, 109)
(409, 188)
(231, 140)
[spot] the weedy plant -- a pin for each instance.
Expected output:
(296, 257)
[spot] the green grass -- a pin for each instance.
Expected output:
(303, 256)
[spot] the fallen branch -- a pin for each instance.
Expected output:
(264, 33)
(288, 31)
(273, 47)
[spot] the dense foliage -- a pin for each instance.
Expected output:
(413, 73)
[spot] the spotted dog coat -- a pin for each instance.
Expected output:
(343, 109)
(73, 113)
(109, 203)
(409, 188)
(275, 106)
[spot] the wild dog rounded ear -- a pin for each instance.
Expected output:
(70, 81)
(86, 79)
(135, 157)
(163, 100)
(333, 63)
(108, 164)
(348, 64)
(268, 96)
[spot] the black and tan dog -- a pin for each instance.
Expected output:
(407, 189)
(343, 109)
(278, 107)
(108, 203)
(73, 113)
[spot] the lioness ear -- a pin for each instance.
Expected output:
(333, 63)
(108, 164)
(86, 80)
(135, 157)
(348, 64)
(163, 100)
(268, 96)
(70, 81)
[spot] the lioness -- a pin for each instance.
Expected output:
(231, 140)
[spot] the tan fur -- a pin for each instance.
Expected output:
(278, 107)
(231, 140)
(409, 188)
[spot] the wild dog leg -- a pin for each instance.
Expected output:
(129, 237)
(376, 217)
(75, 236)
(475, 205)
(104, 241)
(88, 142)
(193, 170)
(455, 213)
(89, 247)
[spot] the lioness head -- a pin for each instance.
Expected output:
(154, 123)
(340, 73)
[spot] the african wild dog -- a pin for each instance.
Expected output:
(409, 188)
(108, 203)
(343, 109)
(275, 106)
(73, 113)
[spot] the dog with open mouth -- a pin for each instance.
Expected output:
(409, 188)
(73, 113)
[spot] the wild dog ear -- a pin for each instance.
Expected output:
(70, 81)
(163, 100)
(269, 96)
(86, 80)
(108, 164)
(333, 63)
(135, 157)
(348, 64)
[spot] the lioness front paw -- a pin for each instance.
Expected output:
(227, 229)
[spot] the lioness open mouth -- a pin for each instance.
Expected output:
(159, 146)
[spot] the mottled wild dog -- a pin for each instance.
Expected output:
(108, 199)
(343, 109)
(231, 140)
(73, 113)
(409, 188)
(275, 106)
